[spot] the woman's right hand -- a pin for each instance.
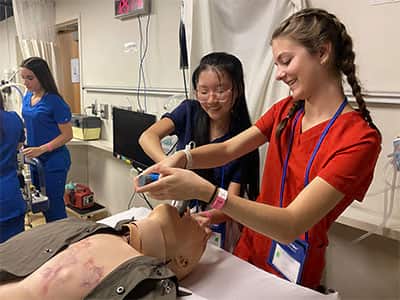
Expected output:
(177, 160)
(177, 184)
(31, 152)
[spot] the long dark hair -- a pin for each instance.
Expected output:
(312, 27)
(222, 62)
(41, 69)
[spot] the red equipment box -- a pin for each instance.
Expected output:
(79, 196)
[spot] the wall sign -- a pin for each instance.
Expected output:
(131, 8)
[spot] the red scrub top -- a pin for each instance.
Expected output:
(346, 160)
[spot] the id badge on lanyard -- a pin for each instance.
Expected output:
(289, 260)
(217, 237)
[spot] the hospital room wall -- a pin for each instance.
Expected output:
(105, 64)
(103, 38)
(375, 31)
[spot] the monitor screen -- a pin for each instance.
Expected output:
(127, 128)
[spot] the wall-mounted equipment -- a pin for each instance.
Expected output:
(131, 8)
(86, 127)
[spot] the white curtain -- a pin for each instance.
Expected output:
(243, 28)
(35, 23)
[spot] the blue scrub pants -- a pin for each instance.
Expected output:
(55, 186)
(11, 227)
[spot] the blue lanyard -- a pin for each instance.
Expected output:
(314, 153)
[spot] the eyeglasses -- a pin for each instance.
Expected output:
(220, 95)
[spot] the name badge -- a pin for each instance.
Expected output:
(218, 235)
(289, 259)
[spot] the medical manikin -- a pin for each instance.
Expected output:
(76, 259)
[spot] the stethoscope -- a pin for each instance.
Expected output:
(314, 153)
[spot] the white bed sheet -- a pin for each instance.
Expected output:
(221, 275)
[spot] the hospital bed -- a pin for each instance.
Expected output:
(221, 275)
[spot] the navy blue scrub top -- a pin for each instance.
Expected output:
(184, 117)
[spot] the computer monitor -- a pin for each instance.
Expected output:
(127, 128)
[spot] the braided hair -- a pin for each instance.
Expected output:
(312, 27)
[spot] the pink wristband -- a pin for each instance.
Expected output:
(220, 199)
(49, 147)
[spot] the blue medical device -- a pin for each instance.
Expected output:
(148, 178)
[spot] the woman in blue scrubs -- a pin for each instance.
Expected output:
(48, 125)
(12, 205)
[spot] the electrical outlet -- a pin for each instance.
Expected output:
(104, 111)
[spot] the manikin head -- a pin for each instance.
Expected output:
(180, 241)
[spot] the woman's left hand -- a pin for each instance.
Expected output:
(32, 152)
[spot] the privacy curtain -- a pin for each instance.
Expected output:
(35, 23)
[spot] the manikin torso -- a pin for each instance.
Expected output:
(74, 272)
